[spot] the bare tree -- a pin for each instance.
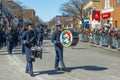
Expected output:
(76, 8)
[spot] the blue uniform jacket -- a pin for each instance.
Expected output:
(10, 34)
(56, 39)
(1, 35)
(27, 36)
(40, 33)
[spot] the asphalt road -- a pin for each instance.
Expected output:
(84, 62)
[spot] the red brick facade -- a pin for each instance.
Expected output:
(17, 10)
(26, 14)
(115, 14)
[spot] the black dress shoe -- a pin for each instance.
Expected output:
(64, 69)
(23, 53)
(26, 71)
(10, 54)
(57, 68)
(31, 74)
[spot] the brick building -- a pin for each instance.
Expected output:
(17, 9)
(109, 11)
(28, 14)
(68, 21)
(65, 21)
(89, 7)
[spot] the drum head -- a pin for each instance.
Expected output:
(66, 38)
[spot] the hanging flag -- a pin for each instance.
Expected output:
(95, 15)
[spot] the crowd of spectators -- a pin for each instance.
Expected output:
(102, 36)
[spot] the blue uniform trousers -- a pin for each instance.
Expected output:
(59, 56)
(23, 47)
(9, 46)
(0, 44)
(29, 66)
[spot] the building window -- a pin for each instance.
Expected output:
(118, 2)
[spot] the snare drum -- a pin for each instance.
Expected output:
(36, 51)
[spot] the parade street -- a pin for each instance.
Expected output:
(84, 62)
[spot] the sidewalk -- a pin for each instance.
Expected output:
(97, 46)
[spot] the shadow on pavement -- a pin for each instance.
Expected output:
(49, 72)
(13, 50)
(48, 46)
(47, 38)
(90, 68)
(78, 48)
(45, 52)
(3, 54)
(69, 69)
(12, 54)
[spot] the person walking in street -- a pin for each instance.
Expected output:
(58, 48)
(21, 32)
(40, 35)
(1, 36)
(29, 39)
(9, 39)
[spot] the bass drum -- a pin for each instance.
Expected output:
(69, 37)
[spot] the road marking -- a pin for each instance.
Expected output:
(13, 60)
(15, 51)
(12, 52)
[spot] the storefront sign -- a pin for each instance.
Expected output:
(106, 15)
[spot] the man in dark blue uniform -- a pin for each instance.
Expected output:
(58, 48)
(1, 36)
(14, 37)
(40, 34)
(9, 39)
(29, 39)
(16, 33)
(21, 32)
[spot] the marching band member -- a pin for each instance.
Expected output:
(58, 48)
(9, 39)
(29, 39)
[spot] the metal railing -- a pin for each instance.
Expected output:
(98, 40)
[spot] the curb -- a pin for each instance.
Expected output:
(114, 50)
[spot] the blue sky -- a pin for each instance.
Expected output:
(45, 9)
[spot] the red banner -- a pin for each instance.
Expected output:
(96, 15)
(106, 15)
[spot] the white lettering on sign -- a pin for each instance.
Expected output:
(105, 15)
